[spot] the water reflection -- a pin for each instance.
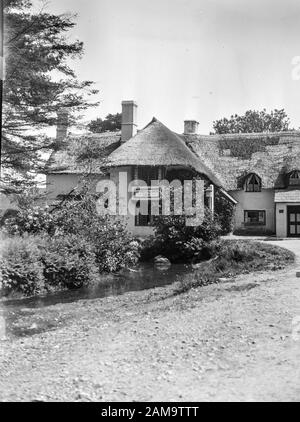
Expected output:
(143, 277)
(25, 317)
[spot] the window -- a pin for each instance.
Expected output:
(143, 220)
(147, 174)
(255, 218)
(253, 183)
(294, 178)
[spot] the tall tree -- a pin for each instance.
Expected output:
(253, 121)
(38, 82)
(112, 122)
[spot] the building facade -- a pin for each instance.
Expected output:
(258, 172)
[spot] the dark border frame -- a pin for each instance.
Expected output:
(254, 224)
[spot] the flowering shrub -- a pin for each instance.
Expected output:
(21, 269)
(114, 248)
(68, 262)
(33, 220)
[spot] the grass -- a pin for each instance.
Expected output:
(234, 257)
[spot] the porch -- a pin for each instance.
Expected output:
(287, 205)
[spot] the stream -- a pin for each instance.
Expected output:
(28, 316)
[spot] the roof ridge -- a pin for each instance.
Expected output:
(246, 134)
(157, 145)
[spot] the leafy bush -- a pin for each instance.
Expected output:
(114, 248)
(179, 242)
(20, 266)
(68, 246)
(37, 264)
(32, 220)
(68, 262)
(224, 211)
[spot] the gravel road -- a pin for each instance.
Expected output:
(230, 342)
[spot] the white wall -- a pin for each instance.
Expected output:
(61, 184)
(58, 184)
(281, 220)
(262, 201)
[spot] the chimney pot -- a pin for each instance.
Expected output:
(129, 119)
(191, 127)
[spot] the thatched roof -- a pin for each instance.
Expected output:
(156, 145)
(231, 157)
(83, 153)
(224, 159)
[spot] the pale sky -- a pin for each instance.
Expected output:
(189, 59)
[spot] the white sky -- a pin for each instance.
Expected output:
(189, 59)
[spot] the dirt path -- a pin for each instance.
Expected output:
(228, 342)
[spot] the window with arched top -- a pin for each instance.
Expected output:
(253, 183)
(294, 177)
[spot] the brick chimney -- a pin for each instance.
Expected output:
(191, 127)
(62, 123)
(129, 125)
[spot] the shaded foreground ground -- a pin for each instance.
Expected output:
(232, 341)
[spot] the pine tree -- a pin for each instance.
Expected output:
(38, 82)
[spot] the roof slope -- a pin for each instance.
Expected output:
(83, 153)
(288, 195)
(156, 145)
(231, 157)
(224, 159)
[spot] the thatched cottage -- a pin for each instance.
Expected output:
(258, 172)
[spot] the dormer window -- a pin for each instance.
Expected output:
(294, 178)
(253, 183)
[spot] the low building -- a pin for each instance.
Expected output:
(262, 172)
(258, 172)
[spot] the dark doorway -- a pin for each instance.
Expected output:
(293, 216)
